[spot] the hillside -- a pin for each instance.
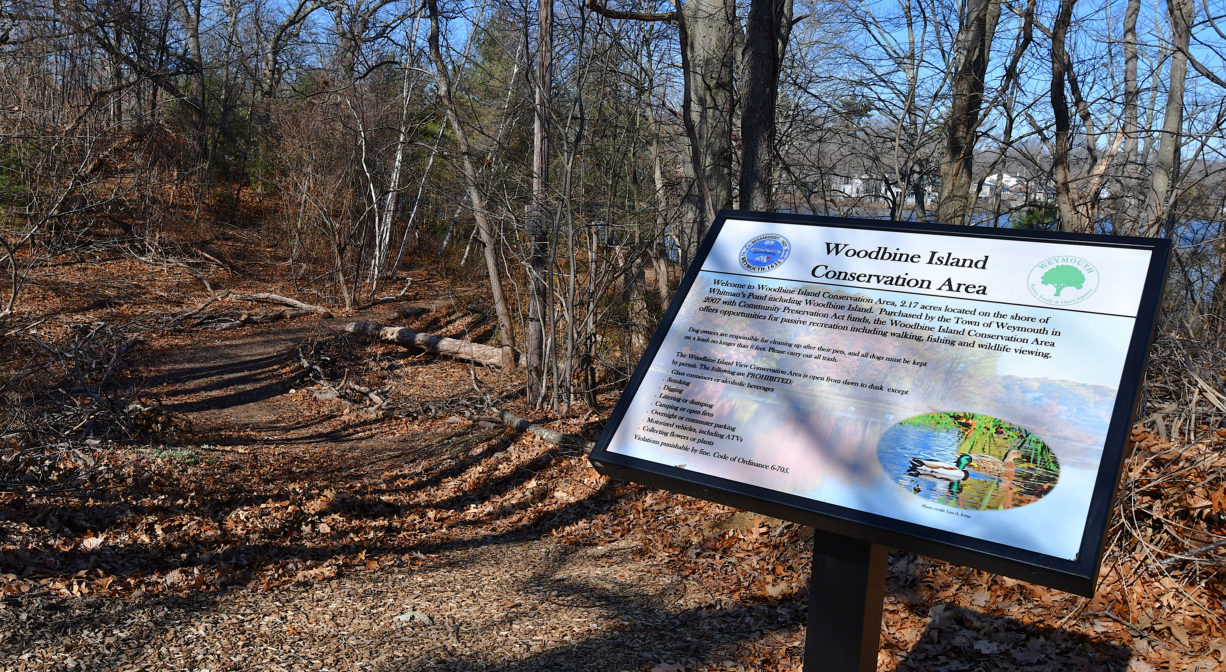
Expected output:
(176, 496)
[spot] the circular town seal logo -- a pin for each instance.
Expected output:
(1063, 280)
(765, 252)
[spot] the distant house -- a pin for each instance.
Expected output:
(866, 186)
(1004, 184)
(1040, 191)
(851, 187)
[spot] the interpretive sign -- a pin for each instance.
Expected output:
(962, 392)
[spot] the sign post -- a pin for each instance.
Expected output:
(960, 392)
(846, 592)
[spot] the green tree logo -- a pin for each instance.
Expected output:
(1063, 276)
(1063, 280)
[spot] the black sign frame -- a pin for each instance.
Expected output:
(1076, 576)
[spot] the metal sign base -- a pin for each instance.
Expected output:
(846, 593)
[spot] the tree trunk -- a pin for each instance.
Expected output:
(1059, 105)
(1126, 215)
(1158, 205)
(539, 264)
(708, 31)
(637, 326)
(505, 332)
(385, 205)
(662, 207)
(770, 23)
(190, 14)
(971, 51)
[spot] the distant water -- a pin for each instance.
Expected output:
(986, 219)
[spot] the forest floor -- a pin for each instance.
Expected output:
(250, 517)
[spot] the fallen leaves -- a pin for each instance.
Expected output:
(294, 496)
(92, 543)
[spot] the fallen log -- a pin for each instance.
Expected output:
(545, 434)
(466, 350)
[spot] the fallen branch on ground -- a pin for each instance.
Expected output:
(208, 286)
(215, 260)
(1192, 554)
(336, 391)
(283, 314)
(377, 397)
(269, 297)
(465, 350)
(515, 422)
(198, 309)
(296, 309)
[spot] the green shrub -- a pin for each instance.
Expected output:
(1035, 218)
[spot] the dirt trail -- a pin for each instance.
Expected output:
(237, 383)
(271, 529)
(336, 540)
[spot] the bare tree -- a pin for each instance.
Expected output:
(447, 96)
(766, 39)
(972, 50)
(1165, 170)
(539, 231)
(707, 30)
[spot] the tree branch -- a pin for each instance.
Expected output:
(592, 5)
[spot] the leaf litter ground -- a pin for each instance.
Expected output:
(270, 523)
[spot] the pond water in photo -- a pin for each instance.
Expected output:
(1004, 466)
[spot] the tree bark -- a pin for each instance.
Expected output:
(1130, 183)
(769, 25)
(539, 231)
(1059, 105)
(190, 15)
(1158, 203)
(708, 31)
(971, 51)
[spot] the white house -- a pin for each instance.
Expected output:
(1002, 182)
(866, 186)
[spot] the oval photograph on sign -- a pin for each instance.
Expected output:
(968, 460)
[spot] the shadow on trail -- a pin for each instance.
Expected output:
(457, 448)
(986, 642)
(58, 622)
(240, 370)
(498, 485)
(353, 430)
(179, 530)
(652, 631)
(220, 374)
(240, 397)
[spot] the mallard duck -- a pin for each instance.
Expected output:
(995, 466)
(942, 470)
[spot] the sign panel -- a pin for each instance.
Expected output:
(961, 392)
